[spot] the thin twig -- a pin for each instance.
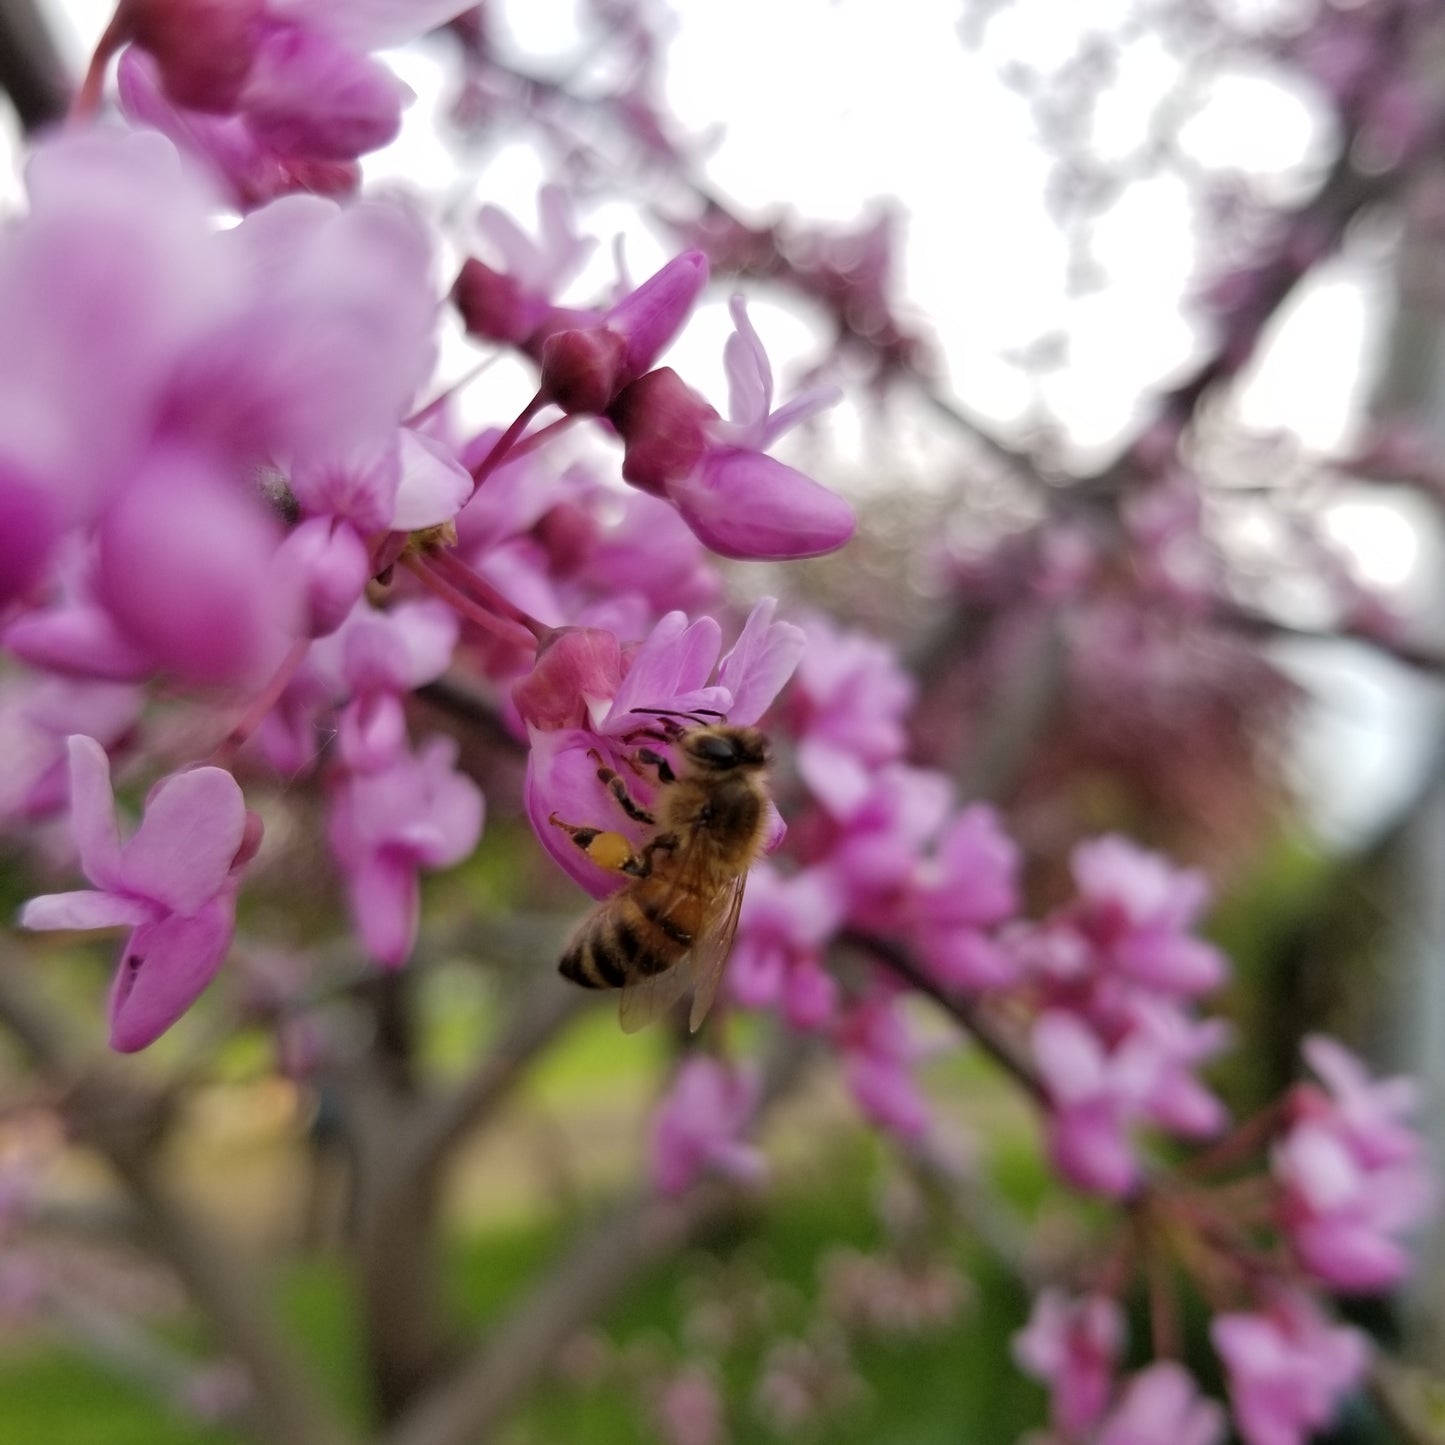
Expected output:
(965, 1011)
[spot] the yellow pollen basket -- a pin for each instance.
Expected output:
(609, 850)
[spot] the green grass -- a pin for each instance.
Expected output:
(938, 1387)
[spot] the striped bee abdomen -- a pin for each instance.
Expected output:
(626, 941)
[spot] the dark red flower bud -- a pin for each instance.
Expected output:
(581, 370)
(493, 305)
(663, 425)
(204, 48)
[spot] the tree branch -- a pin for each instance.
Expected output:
(988, 1037)
(535, 1023)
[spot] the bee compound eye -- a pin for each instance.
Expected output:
(714, 749)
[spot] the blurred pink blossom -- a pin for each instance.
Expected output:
(173, 883)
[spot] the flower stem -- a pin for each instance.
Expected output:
(87, 99)
(504, 443)
(464, 606)
(226, 750)
(460, 576)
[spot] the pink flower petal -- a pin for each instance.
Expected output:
(92, 813)
(760, 663)
(676, 659)
(165, 968)
(562, 779)
(750, 377)
(308, 96)
(748, 505)
(184, 848)
(84, 909)
(434, 485)
(385, 902)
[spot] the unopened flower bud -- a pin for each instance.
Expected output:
(493, 305)
(581, 370)
(652, 315)
(663, 424)
(204, 48)
(573, 664)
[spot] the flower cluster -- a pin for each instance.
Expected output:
(1286, 1367)
(256, 515)
(1353, 1173)
(245, 525)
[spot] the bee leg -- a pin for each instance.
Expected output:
(665, 773)
(640, 864)
(606, 849)
(609, 778)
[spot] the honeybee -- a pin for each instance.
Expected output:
(682, 905)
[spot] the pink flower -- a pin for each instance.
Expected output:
(385, 826)
(37, 715)
(698, 1127)
(881, 836)
(584, 698)
(274, 96)
(174, 883)
(1095, 1093)
(1288, 1368)
(1163, 1406)
(878, 1056)
(372, 661)
(1073, 1346)
(786, 922)
(584, 369)
(847, 708)
(1353, 1173)
(1135, 909)
(739, 501)
(969, 885)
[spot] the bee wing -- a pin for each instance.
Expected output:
(646, 1000)
(710, 952)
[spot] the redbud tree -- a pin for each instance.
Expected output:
(313, 633)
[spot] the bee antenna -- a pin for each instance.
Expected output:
(696, 716)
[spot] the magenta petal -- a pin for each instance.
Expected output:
(434, 485)
(747, 505)
(760, 663)
(84, 909)
(834, 775)
(750, 376)
(676, 659)
(92, 813)
(321, 569)
(77, 641)
(562, 779)
(653, 314)
(455, 808)
(308, 96)
(385, 902)
(372, 732)
(576, 666)
(185, 559)
(164, 970)
(183, 850)
(32, 525)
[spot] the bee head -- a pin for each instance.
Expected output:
(724, 749)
